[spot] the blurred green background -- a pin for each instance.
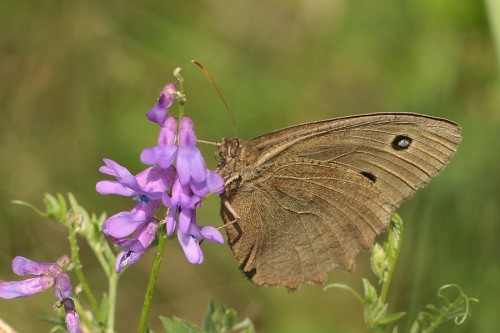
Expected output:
(77, 77)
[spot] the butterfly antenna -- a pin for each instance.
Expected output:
(207, 73)
(207, 142)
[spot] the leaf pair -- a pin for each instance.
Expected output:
(218, 319)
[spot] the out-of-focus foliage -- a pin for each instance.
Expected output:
(77, 76)
(383, 261)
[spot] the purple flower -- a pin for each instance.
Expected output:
(164, 153)
(159, 112)
(178, 178)
(190, 239)
(71, 316)
(134, 231)
(127, 258)
(151, 182)
(142, 238)
(190, 164)
(148, 186)
(183, 204)
(124, 224)
(191, 168)
(47, 275)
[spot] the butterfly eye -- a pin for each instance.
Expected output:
(401, 142)
(219, 158)
(234, 147)
(222, 152)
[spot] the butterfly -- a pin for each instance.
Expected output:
(301, 201)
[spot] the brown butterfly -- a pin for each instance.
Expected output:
(303, 200)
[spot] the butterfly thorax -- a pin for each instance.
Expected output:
(235, 160)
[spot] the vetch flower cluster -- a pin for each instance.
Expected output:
(177, 179)
(47, 275)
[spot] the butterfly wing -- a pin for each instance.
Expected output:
(399, 152)
(316, 194)
(301, 219)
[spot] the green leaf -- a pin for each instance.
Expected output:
(244, 326)
(178, 325)
(345, 287)
(218, 318)
(390, 318)
(208, 323)
(370, 292)
(104, 307)
(32, 207)
(55, 207)
(229, 318)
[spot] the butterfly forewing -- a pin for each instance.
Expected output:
(310, 197)
(368, 144)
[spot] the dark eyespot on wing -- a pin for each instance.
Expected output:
(401, 142)
(371, 177)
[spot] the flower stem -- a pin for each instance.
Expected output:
(113, 283)
(75, 258)
(180, 88)
(152, 280)
(81, 312)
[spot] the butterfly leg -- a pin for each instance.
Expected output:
(230, 209)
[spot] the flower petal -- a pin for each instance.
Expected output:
(154, 181)
(191, 248)
(164, 153)
(206, 232)
(125, 223)
(171, 221)
(63, 286)
(72, 319)
(127, 258)
(185, 219)
(163, 156)
(190, 163)
(114, 169)
(114, 187)
(215, 182)
(28, 287)
(212, 234)
(23, 266)
(159, 112)
(142, 239)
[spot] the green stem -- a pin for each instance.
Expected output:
(106, 258)
(78, 269)
(493, 10)
(152, 280)
(82, 314)
(101, 250)
(180, 88)
(113, 283)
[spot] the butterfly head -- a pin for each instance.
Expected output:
(227, 150)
